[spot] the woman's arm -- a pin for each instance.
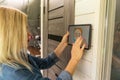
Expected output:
(63, 44)
(76, 55)
(53, 57)
(43, 63)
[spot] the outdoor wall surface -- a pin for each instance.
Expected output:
(86, 13)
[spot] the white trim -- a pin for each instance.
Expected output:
(99, 42)
(41, 11)
(41, 21)
(110, 23)
(44, 28)
(106, 31)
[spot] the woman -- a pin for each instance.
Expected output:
(15, 63)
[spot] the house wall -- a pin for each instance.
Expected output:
(87, 12)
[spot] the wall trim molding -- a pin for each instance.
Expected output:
(106, 35)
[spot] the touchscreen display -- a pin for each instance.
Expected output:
(80, 30)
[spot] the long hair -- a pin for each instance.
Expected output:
(13, 37)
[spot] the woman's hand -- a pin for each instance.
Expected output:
(62, 45)
(77, 49)
(76, 55)
(65, 39)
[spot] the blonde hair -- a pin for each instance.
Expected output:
(13, 37)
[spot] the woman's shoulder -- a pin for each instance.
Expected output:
(6, 67)
(10, 72)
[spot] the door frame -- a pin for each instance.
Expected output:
(110, 25)
(106, 36)
(44, 30)
(44, 27)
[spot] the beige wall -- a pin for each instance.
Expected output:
(86, 12)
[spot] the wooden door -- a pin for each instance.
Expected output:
(59, 14)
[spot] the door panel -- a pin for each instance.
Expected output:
(56, 27)
(56, 13)
(53, 4)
